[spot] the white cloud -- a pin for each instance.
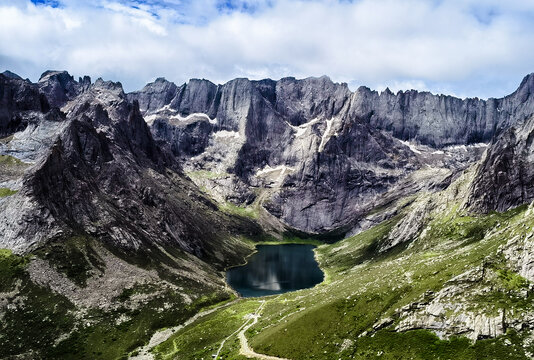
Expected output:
(465, 47)
(139, 15)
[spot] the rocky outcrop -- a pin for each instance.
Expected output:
(467, 304)
(105, 176)
(20, 103)
(11, 75)
(60, 87)
(505, 177)
(154, 96)
(189, 139)
(436, 316)
(410, 226)
(326, 189)
(518, 252)
(327, 152)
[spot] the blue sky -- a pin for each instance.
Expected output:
(465, 48)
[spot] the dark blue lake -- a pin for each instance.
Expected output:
(276, 269)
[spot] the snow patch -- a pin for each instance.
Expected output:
(411, 146)
(190, 116)
(327, 134)
(465, 147)
(282, 168)
(150, 119)
(226, 134)
(301, 129)
(175, 116)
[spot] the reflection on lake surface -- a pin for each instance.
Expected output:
(276, 269)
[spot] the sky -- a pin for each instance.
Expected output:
(466, 48)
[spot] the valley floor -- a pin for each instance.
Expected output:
(460, 288)
(451, 294)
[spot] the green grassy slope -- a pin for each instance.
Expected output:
(337, 319)
(351, 315)
(40, 322)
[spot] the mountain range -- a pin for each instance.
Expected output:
(121, 211)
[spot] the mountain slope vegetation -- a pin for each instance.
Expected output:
(120, 213)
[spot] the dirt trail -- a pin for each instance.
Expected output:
(248, 317)
(246, 350)
(160, 336)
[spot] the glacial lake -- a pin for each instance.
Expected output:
(276, 269)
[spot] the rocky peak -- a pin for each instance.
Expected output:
(20, 95)
(62, 75)
(387, 91)
(505, 178)
(525, 89)
(197, 96)
(267, 89)
(11, 75)
(112, 86)
(154, 95)
(19, 101)
(85, 82)
(303, 100)
(59, 87)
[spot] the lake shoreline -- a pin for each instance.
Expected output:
(273, 270)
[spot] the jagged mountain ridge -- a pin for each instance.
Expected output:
(98, 171)
(435, 120)
(98, 224)
(91, 175)
(326, 153)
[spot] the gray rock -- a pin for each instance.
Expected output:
(505, 178)
(327, 153)
(20, 101)
(60, 87)
(410, 226)
(100, 172)
(11, 75)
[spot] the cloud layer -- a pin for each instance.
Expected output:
(462, 47)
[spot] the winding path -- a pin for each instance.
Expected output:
(246, 350)
(216, 356)
(160, 336)
(144, 353)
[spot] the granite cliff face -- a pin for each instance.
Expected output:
(129, 206)
(505, 178)
(325, 154)
(96, 217)
(95, 169)
(440, 120)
